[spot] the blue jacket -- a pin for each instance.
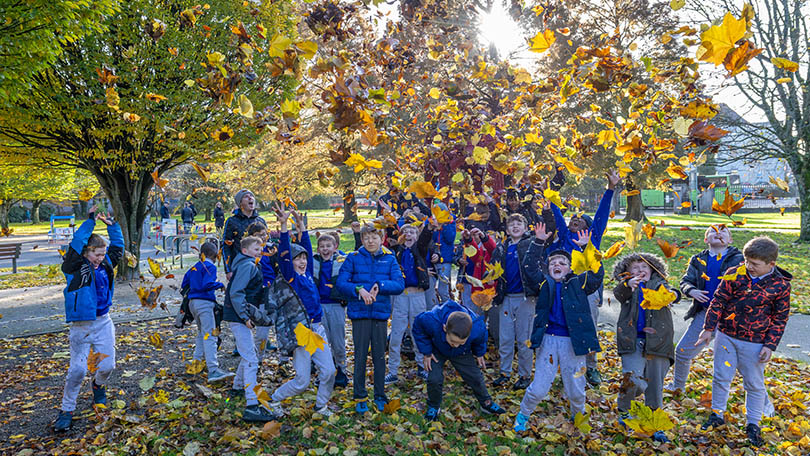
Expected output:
(565, 238)
(361, 268)
(444, 241)
(429, 335)
(303, 284)
(202, 281)
(574, 296)
(81, 299)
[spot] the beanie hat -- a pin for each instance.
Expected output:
(296, 250)
(560, 252)
(241, 194)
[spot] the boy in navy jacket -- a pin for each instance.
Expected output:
(201, 281)
(296, 265)
(451, 332)
(562, 332)
(368, 278)
(89, 268)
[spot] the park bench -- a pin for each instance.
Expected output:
(10, 252)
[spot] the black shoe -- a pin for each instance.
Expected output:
(341, 380)
(754, 435)
(256, 414)
(593, 376)
(236, 393)
(63, 421)
(522, 383)
(235, 352)
(491, 408)
(714, 420)
(500, 381)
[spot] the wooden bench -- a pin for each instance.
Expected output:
(10, 252)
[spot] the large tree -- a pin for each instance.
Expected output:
(164, 85)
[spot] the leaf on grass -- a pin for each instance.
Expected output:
(195, 366)
(156, 340)
(146, 383)
(647, 422)
(270, 430)
(392, 406)
(657, 299)
(308, 339)
(581, 422)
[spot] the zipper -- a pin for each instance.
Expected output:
(75, 301)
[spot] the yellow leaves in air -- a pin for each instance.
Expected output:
(245, 107)
(781, 183)
(93, 359)
(223, 134)
(649, 230)
(204, 173)
(86, 195)
(442, 216)
(308, 339)
(647, 422)
(494, 271)
(553, 196)
(681, 126)
(308, 48)
(783, 80)
(149, 297)
(360, 163)
(156, 268)
(737, 60)
(159, 181)
(718, 40)
(729, 205)
(434, 93)
(132, 261)
(483, 298)
(733, 275)
(470, 251)
(657, 299)
(589, 259)
(290, 109)
(155, 97)
(112, 98)
(632, 234)
(785, 64)
(677, 4)
(424, 189)
(606, 137)
(278, 45)
(676, 171)
(542, 41)
(614, 250)
(480, 155)
(369, 136)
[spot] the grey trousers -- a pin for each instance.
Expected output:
(405, 309)
(443, 270)
(686, 350)
(302, 360)
(646, 377)
(732, 355)
(98, 334)
(334, 320)
(553, 352)
(206, 346)
(248, 365)
(516, 320)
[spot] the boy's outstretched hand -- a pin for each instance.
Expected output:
(300, 225)
(613, 179)
(356, 227)
(540, 232)
(481, 363)
(426, 361)
(282, 215)
(583, 237)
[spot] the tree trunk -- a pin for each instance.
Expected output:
(207, 214)
(5, 206)
(635, 210)
(35, 211)
(802, 174)
(128, 195)
(349, 206)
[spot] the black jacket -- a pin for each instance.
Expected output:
(693, 277)
(499, 256)
(164, 212)
(235, 228)
(420, 251)
(187, 215)
(219, 217)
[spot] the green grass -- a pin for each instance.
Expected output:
(790, 220)
(31, 276)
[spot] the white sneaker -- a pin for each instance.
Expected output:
(324, 411)
(670, 388)
(277, 409)
(219, 375)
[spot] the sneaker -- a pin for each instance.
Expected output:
(501, 380)
(593, 376)
(659, 436)
(236, 393)
(257, 414)
(361, 408)
(380, 403)
(218, 375)
(277, 409)
(623, 416)
(754, 435)
(491, 408)
(235, 352)
(432, 414)
(521, 423)
(99, 394)
(714, 420)
(341, 380)
(422, 373)
(63, 421)
(324, 411)
(390, 379)
(672, 389)
(522, 383)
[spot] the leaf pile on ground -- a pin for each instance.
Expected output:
(157, 407)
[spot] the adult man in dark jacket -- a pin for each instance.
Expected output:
(164, 210)
(187, 215)
(236, 226)
(219, 218)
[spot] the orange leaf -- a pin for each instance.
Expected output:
(614, 250)
(729, 206)
(670, 250)
(159, 181)
(483, 298)
(649, 230)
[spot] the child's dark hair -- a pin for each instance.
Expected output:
(333, 236)
(208, 250)
(248, 241)
(761, 248)
(371, 229)
(94, 242)
(517, 217)
(459, 324)
(256, 227)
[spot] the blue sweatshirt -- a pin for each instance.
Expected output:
(565, 238)
(324, 284)
(514, 283)
(303, 284)
(202, 281)
(556, 318)
(714, 272)
(102, 291)
(266, 266)
(641, 323)
(409, 269)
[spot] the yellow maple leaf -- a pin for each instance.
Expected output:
(494, 272)
(720, 39)
(733, 275)
(632, 234)
(155, 268)
(614, 250)
(581, 422)
(434, 93)
(156, 340)
(647, 422)
(442, 216)
(785, 64)
(542, 41)
(359, 163)
(553, 196)
(290, 108)
(729, 206)
(195, 366)
(676, 171)
(657, 299)
(424, 189)
(589, 259)
(278, 45)
(308, 339)
(480, 155)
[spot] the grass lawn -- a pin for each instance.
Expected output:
(31, 276)
(791, 220)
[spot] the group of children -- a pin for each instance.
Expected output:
(540, 306)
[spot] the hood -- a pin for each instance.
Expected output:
(781, 272)
(446, 308)
(659, 266)
(239, 258)
(238, 213)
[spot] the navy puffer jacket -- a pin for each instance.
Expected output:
(361, 268)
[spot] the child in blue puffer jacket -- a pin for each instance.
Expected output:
(368, 278)
(89, 268)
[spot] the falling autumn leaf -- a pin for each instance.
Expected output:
(483, 298)
(718, 40)
(93, 359)
(729, 206)
(589, 259)
(204, 173)
(542, 41)
(308, 339)
(657, 299)
(442, 216)
(669, 250)
(614, 250)
(785, 64)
